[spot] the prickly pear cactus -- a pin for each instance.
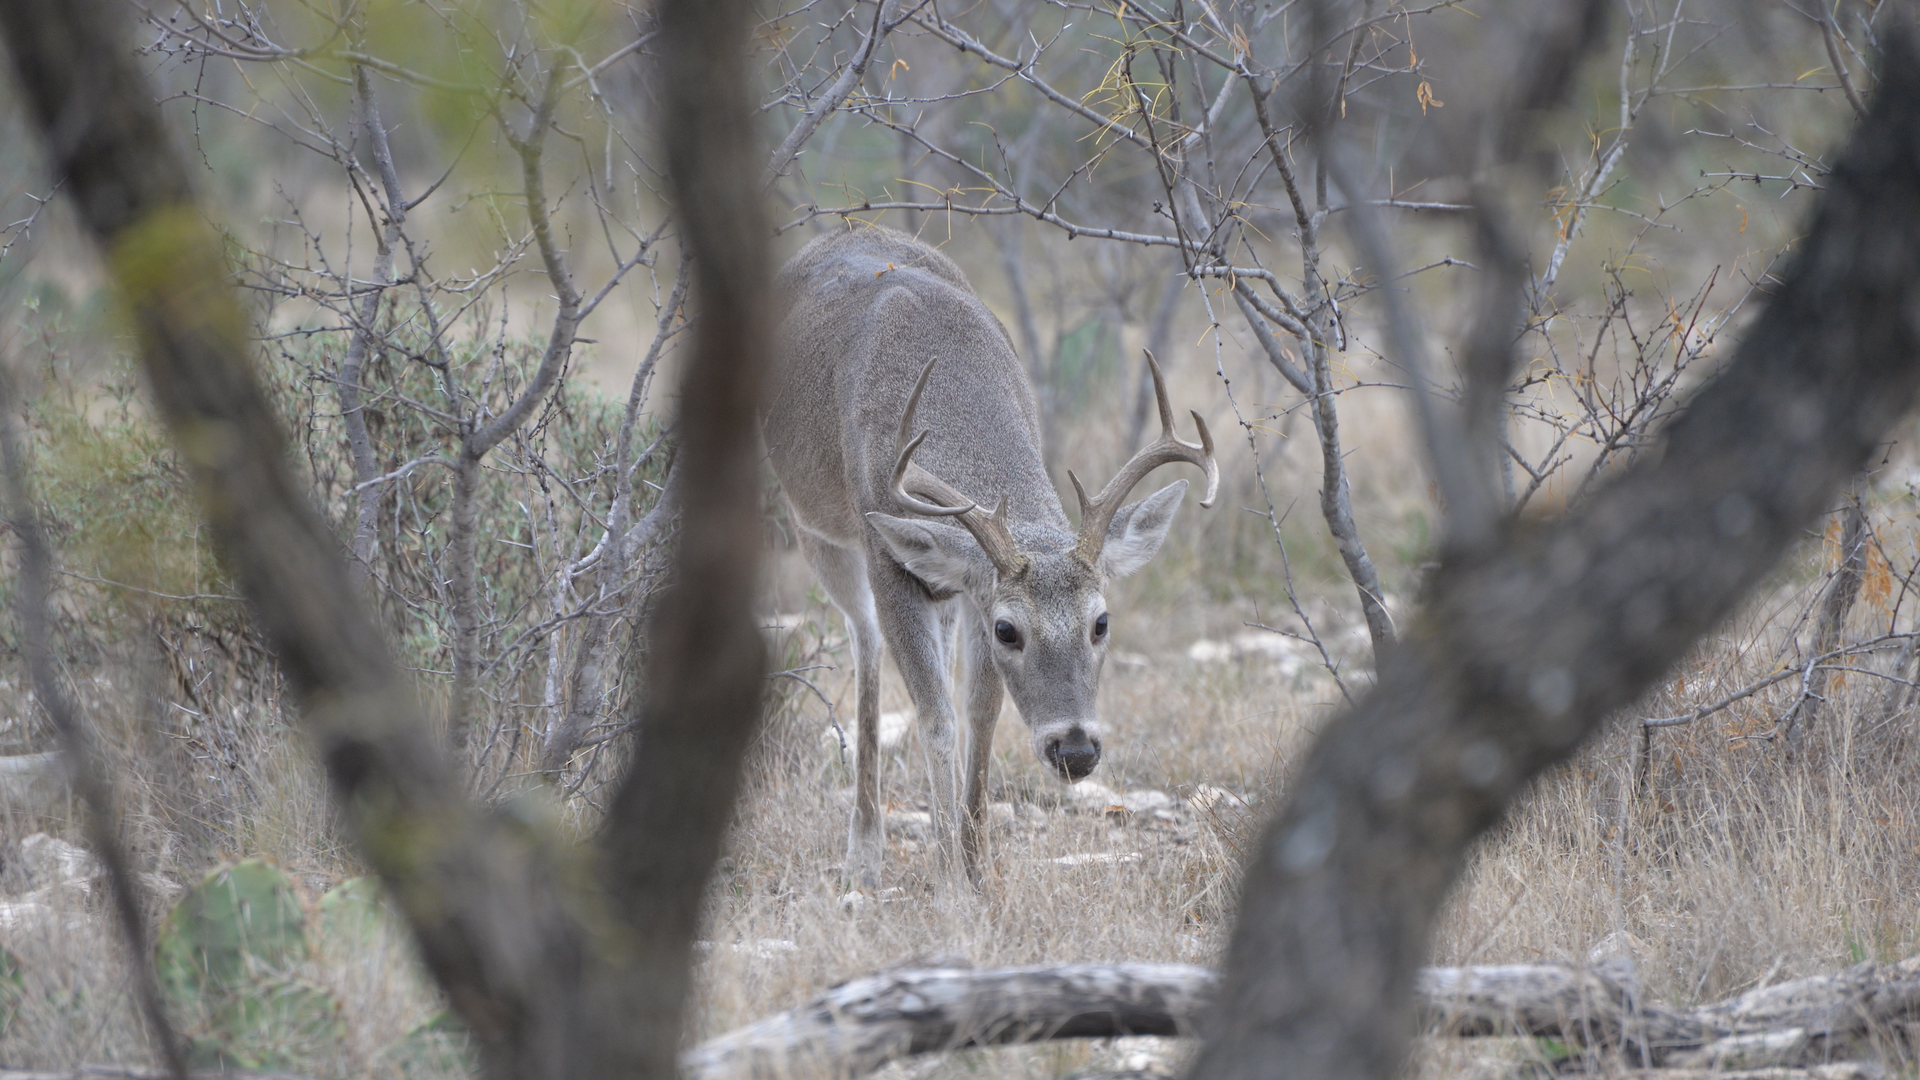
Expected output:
(226, 958)
(436, 1047)
(242, 920)
(351, 913)
(272, 1024)
(13, 987)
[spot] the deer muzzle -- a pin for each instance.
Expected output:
(1072, 753)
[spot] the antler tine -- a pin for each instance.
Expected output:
(1096, 514)
(924, 480)
(992, 532)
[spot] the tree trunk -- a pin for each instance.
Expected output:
(1526, 644)
(366, 500)
(702, 694)
(463, 586)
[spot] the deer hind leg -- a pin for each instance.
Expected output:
(913, 629)
(843, 573)
(982, 681)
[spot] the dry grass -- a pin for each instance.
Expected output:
(1727, 862)
(1722, 863)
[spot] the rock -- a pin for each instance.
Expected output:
(758, 948)
(45, 860)
(30, 782)
(38, 913)
(891, 733)
(1289, 654)
(1283, 651)
(914, 824)
(1099, 858)
(1093, 795)
(1205, 651)
(1144, 1056)
(1209, 799)
(857, 900)
(1146, 800)
(893, 730)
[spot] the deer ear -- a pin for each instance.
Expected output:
(1138, 530)
(947, 560)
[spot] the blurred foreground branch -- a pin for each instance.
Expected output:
(1521, 650)
(463, 877)
(560, 962)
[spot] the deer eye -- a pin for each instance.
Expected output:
(1006, 633)
(1100, 627)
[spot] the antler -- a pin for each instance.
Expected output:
(990, 530)
(1096, 514)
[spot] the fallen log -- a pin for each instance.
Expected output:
(859, 1026)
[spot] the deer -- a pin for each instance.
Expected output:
(899, 413)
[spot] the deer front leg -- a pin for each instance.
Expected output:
(865, 839)
(983, 713)
(912, 629)
(843, 573)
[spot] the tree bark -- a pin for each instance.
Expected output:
(1525, 645)
(702, 694)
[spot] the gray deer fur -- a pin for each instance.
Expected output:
(884, 338)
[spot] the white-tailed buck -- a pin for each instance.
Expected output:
(899, 394)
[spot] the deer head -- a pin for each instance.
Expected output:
(1040, 591)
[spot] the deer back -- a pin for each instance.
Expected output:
(865, 311)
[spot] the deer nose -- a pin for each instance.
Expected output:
(1073, 755)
